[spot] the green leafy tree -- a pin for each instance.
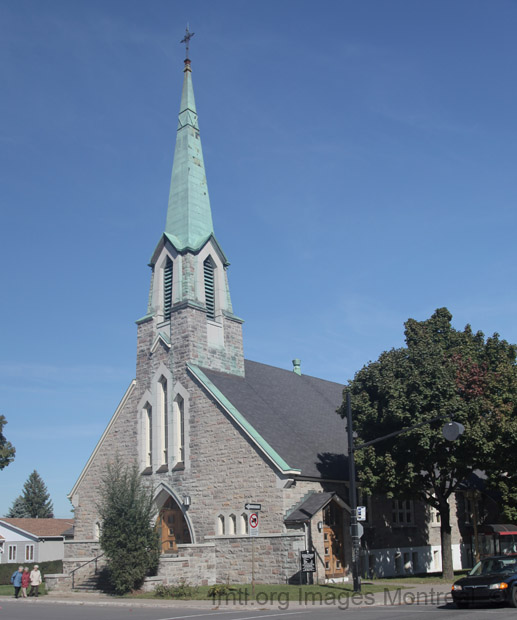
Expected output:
(7, 450)
(441, 371)
(17, 510)
(36, 498)
(128, 535)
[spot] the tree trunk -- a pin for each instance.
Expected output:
(445, 535)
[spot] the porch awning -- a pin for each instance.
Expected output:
(499, 529)
(311, 505)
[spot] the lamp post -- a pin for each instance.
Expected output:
(451, 431)
(353, 496)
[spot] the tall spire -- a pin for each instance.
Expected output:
(189, 217)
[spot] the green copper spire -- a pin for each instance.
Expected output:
(189, 218)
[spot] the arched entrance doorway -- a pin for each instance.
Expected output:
(172, 526)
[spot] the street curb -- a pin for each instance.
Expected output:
(397, 597)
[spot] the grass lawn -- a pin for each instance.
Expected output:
(262, 594)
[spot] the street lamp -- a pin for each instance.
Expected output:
(451, 431)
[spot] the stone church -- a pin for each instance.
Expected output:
(213, 432)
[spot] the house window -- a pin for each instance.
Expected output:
(29, 553)
(208, 272)
(12, 553)
(435, 516)
(148, 435)
(167, 289)
(164, 419)
(220, 525)
(232, 524)
(402, 511)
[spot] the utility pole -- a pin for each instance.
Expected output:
(352, 496)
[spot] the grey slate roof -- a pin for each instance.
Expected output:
(295, 414)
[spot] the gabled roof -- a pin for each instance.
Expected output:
(308, 508)
(42, 528)
(293, 414)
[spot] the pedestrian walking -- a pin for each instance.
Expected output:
(16, 580)
(26, 579)
(35, 581)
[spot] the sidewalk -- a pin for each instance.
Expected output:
(394, 595)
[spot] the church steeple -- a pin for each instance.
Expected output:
(189, 301)
(189, 217)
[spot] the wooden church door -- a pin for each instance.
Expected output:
(173, 527)
(333, 541)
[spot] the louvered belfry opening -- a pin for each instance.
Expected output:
(167, 289)
(208, 267)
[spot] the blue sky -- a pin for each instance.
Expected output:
(361, 165)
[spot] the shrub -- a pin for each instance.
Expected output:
(220, 590)
(50, 568)
(183, 590)
(128, 536)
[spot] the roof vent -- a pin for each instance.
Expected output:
(296, 367)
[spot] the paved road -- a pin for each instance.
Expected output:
(48, 609)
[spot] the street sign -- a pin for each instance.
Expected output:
(253, 521)
(361, 513)
(360, 530)
(308, 562)
(253, 506)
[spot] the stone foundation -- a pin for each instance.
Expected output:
(273, 558)
(269, 559)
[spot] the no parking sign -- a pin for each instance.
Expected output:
(253, 521)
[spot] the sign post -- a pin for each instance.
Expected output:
(253, 530)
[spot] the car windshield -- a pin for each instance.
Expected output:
(494, 565)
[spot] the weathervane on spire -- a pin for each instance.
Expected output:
(186, 39)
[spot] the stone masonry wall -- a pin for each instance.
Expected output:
(273, 559)
(194, 564)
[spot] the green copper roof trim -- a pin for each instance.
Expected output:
(161, 337)
(185, 249)
(165, 338)
(232, 317)
(144, 319)
(242, 422)
(189, 218)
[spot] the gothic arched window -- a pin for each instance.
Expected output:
(163, 419)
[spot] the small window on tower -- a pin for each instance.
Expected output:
(167, 289)
(208, 270)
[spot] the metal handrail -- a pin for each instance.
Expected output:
(82, 565)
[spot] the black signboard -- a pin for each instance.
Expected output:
(308, 562)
